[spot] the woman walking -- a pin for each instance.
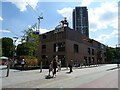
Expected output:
(70, 65)
(50, 68)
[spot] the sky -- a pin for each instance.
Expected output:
(17, 16)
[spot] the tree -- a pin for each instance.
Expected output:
(0, 47)
(7, 47)
(110, 54)
(22, 49)
(30, 46)
(117, 54)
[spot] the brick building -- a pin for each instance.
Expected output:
(68, 44)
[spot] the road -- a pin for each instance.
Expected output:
(103, 76)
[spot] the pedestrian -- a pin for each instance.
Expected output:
(59, 65)
(54, 66)
(70, 65)
(22, 63)
(14, 63)
(50, 68)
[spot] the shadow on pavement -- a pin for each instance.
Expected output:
(17, 71)
(112, 69)
(68, 72)
(3, 68)
(48, 77)
(2, 76)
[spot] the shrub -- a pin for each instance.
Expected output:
(30, 60)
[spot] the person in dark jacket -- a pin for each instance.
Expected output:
(70, 65)
(54, 66)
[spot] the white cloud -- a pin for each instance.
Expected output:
(102, 38)
(29, 26)
(86, 2)
(115, 33)
(105, 37)
(104, 16)
(1, 19)
(4, 31)
(22, 4)
(66, 12)
(42, 30)
(18, 41)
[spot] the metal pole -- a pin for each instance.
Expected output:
(8, 68)
(39, 31)
(40, 66)
(38, 23)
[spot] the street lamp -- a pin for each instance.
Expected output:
(37, 33)
(14, 46)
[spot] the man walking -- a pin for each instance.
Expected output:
(54, 66)
(70, 65)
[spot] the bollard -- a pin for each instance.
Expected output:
(8, 69)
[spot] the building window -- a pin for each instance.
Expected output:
(99, 45)
(93, 60)
(89, 50)
(89, 60)
(55, 47)
(58, 47)
(43, 56)
(105, 54)
(93, 52)
(85, 60)
(43, 46)
(102, 47)
(75, 48)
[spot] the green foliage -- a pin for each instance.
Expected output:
(22, 49)
(7, 47)
(112, 54)
(29, 47)
(0, 47)
(118, 52)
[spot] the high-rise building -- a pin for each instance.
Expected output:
(80, 20)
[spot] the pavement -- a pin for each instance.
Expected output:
(88, 77)
(3, 66)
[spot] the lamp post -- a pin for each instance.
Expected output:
(14, 46)
(39, 40)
